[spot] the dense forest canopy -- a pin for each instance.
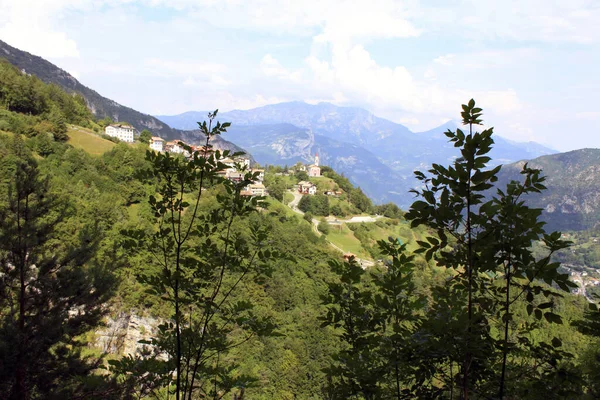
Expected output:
(246, 301)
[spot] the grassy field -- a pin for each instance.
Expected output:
(85, 139)
(346, 241)
(287, 197)
(323, 183)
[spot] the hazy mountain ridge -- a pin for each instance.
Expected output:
(572, 200)
(384, 152)
(287, 144)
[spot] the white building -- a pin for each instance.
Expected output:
(157, 144)
(257, 189)
(314, 170)
(261, 174)
(122, 132)
(173, 147)
(307, 188)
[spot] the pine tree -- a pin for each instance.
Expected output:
(50, 293)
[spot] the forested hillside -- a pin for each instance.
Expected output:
(239, 298)
(572, 201)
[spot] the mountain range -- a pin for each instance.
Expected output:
(572, 198)
(376, 154)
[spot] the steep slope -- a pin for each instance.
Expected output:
(99, 105)
(572, 201)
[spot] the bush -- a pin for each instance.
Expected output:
(308, 217)
(323, 227)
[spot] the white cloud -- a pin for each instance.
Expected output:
(532, 20)
(447, 59)
(181, 67)
(329, 58)
(26, 24)
(273, 68)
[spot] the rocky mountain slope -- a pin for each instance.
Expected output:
(102, 106)
(572, 201)
(99, 105)
(287, 144)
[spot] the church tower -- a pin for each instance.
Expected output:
(314, 169)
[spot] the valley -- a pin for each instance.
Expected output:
(136, 262)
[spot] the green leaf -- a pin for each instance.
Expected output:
(556, 342)
(553, 318)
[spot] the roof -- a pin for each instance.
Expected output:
(124, 126)
(157, 139)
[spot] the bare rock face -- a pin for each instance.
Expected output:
(122, 333)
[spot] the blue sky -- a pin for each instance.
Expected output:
(531, 64)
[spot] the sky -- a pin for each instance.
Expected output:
(532, 65)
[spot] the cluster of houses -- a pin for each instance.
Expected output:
(256, 188)
(160, 145)
(313, 170)
(126, 133)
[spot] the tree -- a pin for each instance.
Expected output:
(145, 136)
(323, 227)
(377, 314)
(277, 189)
(487, 246)
(197, 260)
(51, 290)
(301, 175)
(590, 325)
(359, 368)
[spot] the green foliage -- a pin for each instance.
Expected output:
(389, 210)
(145, 136)
(398, 330)
(355, 196)
(196, 263)
(324, 227)
(277, 189)
(53, 287)
(377, 318)
(487, 245)
(308, 217)
(315, 204)
(26, 94)
(301, 175)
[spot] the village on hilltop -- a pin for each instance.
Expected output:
(127, 133)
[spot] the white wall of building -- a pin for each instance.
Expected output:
(121, 132)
